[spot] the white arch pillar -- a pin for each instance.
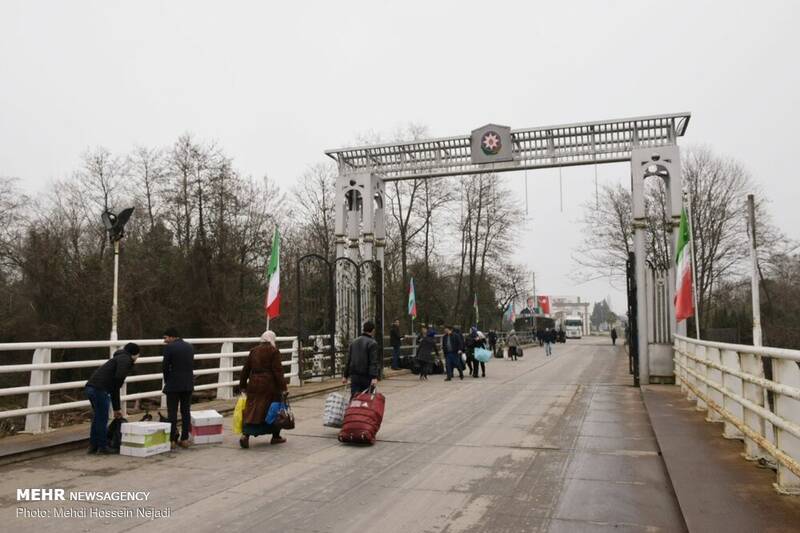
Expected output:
(661, 162)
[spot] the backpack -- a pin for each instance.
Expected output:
(114, 434)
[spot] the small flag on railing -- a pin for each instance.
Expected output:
(412, 300)
(684, 305)
(272, 304)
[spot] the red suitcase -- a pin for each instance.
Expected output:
(363, 418)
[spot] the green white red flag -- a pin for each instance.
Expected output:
(272, 304)
(684, 303)
(412, 300)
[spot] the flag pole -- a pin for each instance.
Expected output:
(694, 273)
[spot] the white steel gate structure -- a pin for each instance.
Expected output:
(649, 143)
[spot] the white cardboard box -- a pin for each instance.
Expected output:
(144, 428)
(143, 452)
(208, 439)
(206, 418)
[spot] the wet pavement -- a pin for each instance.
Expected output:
(541, 444)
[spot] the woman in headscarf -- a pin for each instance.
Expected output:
(262, 379)
(425, 350)
(513, 345)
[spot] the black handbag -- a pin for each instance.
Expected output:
(285, 418)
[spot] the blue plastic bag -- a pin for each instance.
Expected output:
(483, 355)
(274, 409)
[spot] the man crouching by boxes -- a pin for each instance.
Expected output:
(103, 386)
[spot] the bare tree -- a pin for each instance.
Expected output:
(314, 197)
(148, 173)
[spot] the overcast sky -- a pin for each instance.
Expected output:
(276, 83)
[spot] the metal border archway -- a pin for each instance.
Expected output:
(649, 143)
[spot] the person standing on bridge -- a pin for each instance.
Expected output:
(396, 340)
(452, 346)
(427, 347)
(362, 363)
(178, 369)
(614, 336)
(549, 338)
(263, 381)
(103, 387)
(513, 345)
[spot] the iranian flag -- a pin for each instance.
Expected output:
(412, 300)
(272, 305)
(684, 307)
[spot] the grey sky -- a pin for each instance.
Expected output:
(277, 83)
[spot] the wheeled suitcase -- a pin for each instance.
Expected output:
(519, 352)
(363, 418)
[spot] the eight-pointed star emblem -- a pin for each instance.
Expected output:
(490, 143)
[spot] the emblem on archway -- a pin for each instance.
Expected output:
(491, 143)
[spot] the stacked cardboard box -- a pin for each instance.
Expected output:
(143, 439)
(206, 427)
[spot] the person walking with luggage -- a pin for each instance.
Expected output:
(263, 380)
(475, 340)
(396, 340)
(462, 347)
(425, 351)
(103, 388)
(452, 348)
(492, 338)
(178, 369)
(513, 345)
(362, 364)
(614, 336)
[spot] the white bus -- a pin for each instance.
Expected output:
(573, 327)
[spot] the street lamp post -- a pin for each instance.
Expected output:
(115, 226)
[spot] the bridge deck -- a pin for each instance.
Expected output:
(562, 444)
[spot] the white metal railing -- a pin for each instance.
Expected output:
(37, 412)
(729, 380)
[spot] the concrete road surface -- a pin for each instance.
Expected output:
(541, 444)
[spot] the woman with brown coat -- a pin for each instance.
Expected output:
(262, 379)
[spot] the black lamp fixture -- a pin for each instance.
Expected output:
(115, 224)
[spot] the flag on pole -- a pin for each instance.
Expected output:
(412, 300)
(475, 306)
(510, 315)
(272, 305)
(684, 306)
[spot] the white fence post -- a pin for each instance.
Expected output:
(751, 364)
(701, 352)
(733, 384)
(715, 376)
(225, 374)
(787, 373)
(39, 422)
(294, 380)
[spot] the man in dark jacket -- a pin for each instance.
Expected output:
(178, 369)
(362, 364)
(103, 386)
(452, 346)
(614, 336)
(396, 341)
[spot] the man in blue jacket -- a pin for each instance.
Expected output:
(103, 387)
(178, 370)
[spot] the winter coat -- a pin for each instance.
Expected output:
(456, 343)
(426, 349)
(362, 358)
(512, 340)
(111, 375)
(178, 367)
(262, 379)
(395, 339)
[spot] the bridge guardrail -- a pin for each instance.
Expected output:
(755, 392)
(38, 390)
